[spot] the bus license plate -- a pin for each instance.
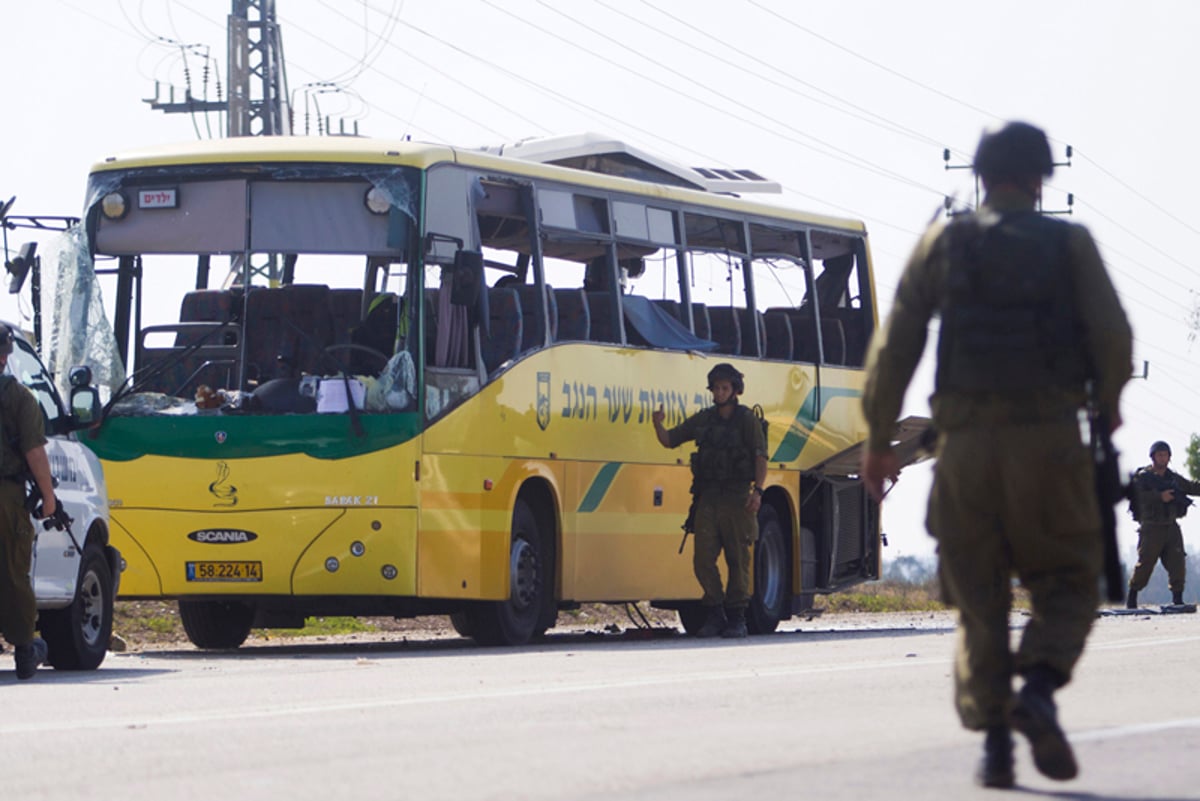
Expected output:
(224, 571)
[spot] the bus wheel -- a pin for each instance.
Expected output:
(515, 621)
(78, 635)
(216, 624)
(769, 604)
(461, 621)
(692, 616)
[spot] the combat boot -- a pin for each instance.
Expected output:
(1035, 716)
(1131, 601)
(996, 766)
(1177, 597)
(714, 624)
(735, 624)
(29, 656)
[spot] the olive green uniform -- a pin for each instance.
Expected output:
(21, 430)
(722, 475)
(1159, 535)
(1013, 490)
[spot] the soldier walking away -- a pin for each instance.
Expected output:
(1029, 317)
(728, 471)
(22, 452)
(1160, 498)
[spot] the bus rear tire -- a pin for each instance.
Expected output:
(771, 601)
(516, 621)
(78, 635)
(216, 624)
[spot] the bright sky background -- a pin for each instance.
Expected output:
(848, 104)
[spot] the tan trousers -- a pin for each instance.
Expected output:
(1015, 500)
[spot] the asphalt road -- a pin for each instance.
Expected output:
(834, 709)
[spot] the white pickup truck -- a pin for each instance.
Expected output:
(75, 570)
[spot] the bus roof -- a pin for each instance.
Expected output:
(422, 155)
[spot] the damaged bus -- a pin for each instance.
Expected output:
(355, 377)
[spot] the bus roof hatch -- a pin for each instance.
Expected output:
(597, 153)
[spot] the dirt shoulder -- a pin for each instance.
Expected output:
(154, 625)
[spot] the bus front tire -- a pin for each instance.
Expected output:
(516, 621)
(216, 624)
(771, 600)
(78, 635)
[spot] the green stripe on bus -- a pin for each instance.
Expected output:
(798, 433)
(321, 436)
(600, 485)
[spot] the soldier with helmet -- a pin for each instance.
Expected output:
(1029, 319)
(22, 453)
(1160, 498)
(728, 471)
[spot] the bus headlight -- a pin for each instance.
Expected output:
(114, 206)
(377, 201)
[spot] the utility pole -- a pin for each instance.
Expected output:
(257, 100)
(949, 202)
(257, 104)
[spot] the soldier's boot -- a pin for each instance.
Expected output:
(1131, 601)
(1177, 597)
(1035, 716)
(996, 766)
(714, 624)
(735, 624)
(29, 656)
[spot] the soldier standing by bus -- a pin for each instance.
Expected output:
(728, 471)
(22, 452)
(1029, 316)
(1160, 498)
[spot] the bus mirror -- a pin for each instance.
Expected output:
(18, 268)
(85, 405)
(468, 278)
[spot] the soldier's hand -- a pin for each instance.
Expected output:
(1168, 495)
(49, 507)
(876, 466)
(658, 416)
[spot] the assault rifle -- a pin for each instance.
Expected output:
(59, 521)
(1109, 490)
(1149, 480)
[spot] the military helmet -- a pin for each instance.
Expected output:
(1159, 446)
(1017, 150)
(6, 340)
(727, 372)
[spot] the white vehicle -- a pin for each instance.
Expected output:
(75, 571)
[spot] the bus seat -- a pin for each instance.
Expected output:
(671, 307)
(574, 322)
(726, 329)
(346, 307)
(600, 310)
(205, 306)
(702, 321)
(833, 338)
(779, 334)
(287, 331)
(503, 341)
(533, 333)
(750, 319)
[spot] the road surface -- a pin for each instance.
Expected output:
(836, 708)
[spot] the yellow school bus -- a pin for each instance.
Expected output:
(387, 378)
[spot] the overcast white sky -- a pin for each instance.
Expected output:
(848, 104)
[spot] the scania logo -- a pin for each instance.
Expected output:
(222, 536)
